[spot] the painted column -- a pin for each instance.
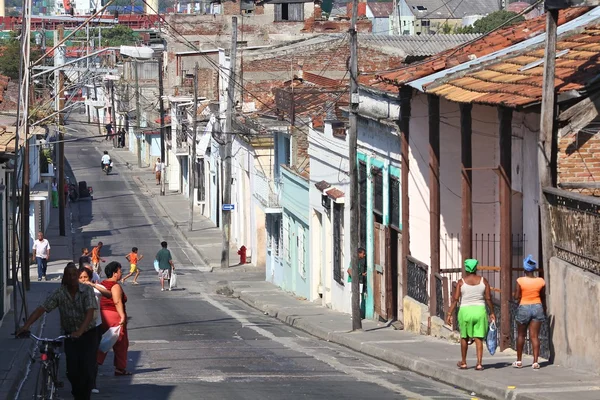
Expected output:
(370, 303)
(386, 194)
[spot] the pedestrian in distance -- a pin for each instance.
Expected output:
(85, 257)
(114, 314)
(76, 304)
(41, 255)
(165, 265)
(362, 271)
(54, 193)
(96, 258)
(134, 258)
(109, 129)
(159, 167)
(473, 292)
(122, 138)
(531, 313)
(85, 277)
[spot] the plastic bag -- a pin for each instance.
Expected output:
(109, 338)
(173, 281)
(156, 266)
(492, 338)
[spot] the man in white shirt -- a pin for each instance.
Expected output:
(41, 253)
(105, 159)
(159, 167)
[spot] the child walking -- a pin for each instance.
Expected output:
(134, 258)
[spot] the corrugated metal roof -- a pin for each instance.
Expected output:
(417, 45)
(517, 79)
(451, 9)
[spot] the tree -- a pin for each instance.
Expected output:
(10, 56)
(492, 22)
(118, 35)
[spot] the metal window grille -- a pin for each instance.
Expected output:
(338, 218)
(300, 239)
(287, 240)
(394, 201)
(377, 190)
(362, 184)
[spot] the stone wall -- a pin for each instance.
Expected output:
(573, 299)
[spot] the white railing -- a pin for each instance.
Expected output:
(266, 190)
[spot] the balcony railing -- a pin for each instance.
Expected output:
(181, 143)
(266, 191)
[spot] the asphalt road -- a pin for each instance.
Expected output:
(194, 344)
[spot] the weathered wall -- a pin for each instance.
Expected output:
(574, 318)
(579, 159)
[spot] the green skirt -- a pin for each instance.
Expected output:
(473, 322)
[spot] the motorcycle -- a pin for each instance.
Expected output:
(107, 168)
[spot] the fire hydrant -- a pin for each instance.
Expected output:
(242, 253)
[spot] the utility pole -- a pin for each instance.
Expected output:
(352, 160)
(161, 110)
(113, 114)
(545, 137)
(192, 182)
(138, 132)
(60, 91)
(228, 143)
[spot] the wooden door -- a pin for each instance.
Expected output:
(390, 277)
(380, 258)
(399, 261)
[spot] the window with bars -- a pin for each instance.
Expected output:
(394, 201)
(301, 251)
(338, 242)
(362, 184)
(287, 240)
(377, 190)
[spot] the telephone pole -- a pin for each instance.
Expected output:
(228, 143)
(113, 114)
(138, 132)
(352, 160)
(161, 110)
(60, 91)
(192, 181)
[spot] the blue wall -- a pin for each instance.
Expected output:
(295, 203)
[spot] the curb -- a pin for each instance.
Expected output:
(420, 366)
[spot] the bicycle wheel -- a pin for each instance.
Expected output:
(41, 384)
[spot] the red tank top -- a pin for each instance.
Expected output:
(108, 304)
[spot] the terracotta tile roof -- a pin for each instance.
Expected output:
(517, 79)
(322, 185)
(7, 137)
(335, 193)
(381, 9)
(487, 44)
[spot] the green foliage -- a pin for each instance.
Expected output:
(45, 160)
(491, 22)
(118, 35)
(11, 56)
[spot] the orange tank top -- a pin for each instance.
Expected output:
(530, 289)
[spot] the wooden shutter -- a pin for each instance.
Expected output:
(296, 12)
(278, 12)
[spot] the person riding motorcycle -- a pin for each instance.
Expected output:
(106, 161)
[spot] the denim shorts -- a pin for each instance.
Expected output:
(530, 312)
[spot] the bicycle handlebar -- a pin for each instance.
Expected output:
(39, 339)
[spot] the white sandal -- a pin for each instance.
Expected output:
(517, 364)
(535, 366)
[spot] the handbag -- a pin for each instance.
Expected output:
(156, 266)
(492, 338)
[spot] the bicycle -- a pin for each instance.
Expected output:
(47, 383)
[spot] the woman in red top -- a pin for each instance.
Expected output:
(113, 314)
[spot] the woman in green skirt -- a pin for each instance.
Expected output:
(473, 292)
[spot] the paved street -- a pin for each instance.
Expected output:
(192, 343)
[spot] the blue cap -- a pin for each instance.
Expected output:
(529, 264)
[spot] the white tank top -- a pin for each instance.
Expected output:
(472, 295)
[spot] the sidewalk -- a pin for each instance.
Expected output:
(205, 237)
(16, 354)
(422, 354)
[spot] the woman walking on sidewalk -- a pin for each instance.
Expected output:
(54, 193)
(114, 314)
(473, 292)
(85, 277)
(531, 313)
